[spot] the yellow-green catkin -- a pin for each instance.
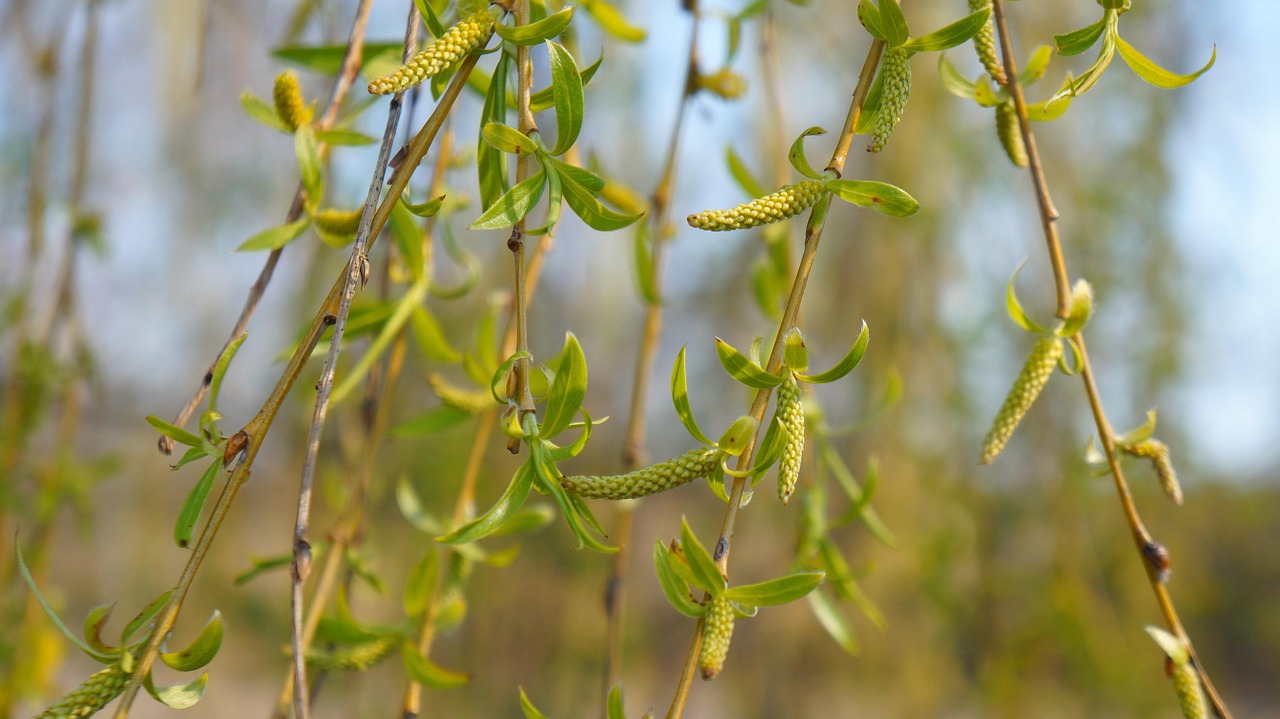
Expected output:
(649, 480)
(89, 698)
(1158, 453)
(790, 200)
(1186, 684)
(338, 222)
(1035, 373)
(354, 657)
(456, 43)
(1010, 133)
(791, 417)
(896, 87)
(985, 44)
(717, 630)
(287, 95)
(469, 401)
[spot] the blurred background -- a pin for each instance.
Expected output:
(1013, 589)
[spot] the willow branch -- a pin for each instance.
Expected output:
(1048, 220)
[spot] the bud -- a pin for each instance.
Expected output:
(338, 222)
(786, 202)
(985, 44)
(725, 84)
(1035, 373)
(1010, 133)
(456, 43)
(353, 657)
(1186, 684)
(790, 413)
(655, 478)
(1158, 453)
(896, 85)
(287, 95)
(89, 698)
(717, 630)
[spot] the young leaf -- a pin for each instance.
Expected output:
(144, 618)
(879, 196)
(1014, 307)
(308, 154)
(566, 89)
(220, 369)
(423, 209)
(190, 513)
(869, 16)
(346, 138)
(513, 205)
(53, 615)
(673, 586)
(567, 391)
(645, 271)
(508, 139)
(431, 422)
(93, 624)
(536, 32)
(173, 432)
(428, 673)
(261, 111)
(797, 158)
(735, 439)
(845, 365)
(327, 59)
(421, 583)
(893, 22)
(178, 696)
(276, 237)
(585, 205)
(833, 621)
(612, 21)
(680, 398)
(1077, 41)
(776, 591)
(743, 369)
(747, 181)
(575, 512)
(704, 570)
(201, 651)
(491, 165)
(430, 337)
(1155, 74)
(510, 501)
(530, 711)
(954, 34)
(614, 708)
(544, 99)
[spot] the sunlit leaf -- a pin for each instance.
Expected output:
(741, 368)
(567, 391)
(747, 181)
(879, 196)
(705, 572)
(869, 16)
(510, 501)
(673, 586)
(174, 432)
(893, 22)
(491, 164)
(530, 711)
(512, 206)
(308, 156)
(612, 21)
(796, 154)
(93, 624)
(428, 673)
(566, 90)
(276, 237)
(776, 591)
(344, 137)
(1014, 307)
(1077, 41)
(833, 621)
(262, 111)
(536, 32)
(846, 363)
(680, 397)
(327, 59)
(951, 35)
(507, 139)
(1153, 73)
(201, 651)
(178, 696)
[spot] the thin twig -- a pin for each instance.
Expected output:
(1048, 218)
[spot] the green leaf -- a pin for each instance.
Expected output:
(795, 355)
(1014, 307)
(191, 508)
(1153, 73)
(408, 239)
(308, 154)
(771, 449)
(869, 16)
(612, 21)
(497, 515)
(747, 181)
(951, 35)
(491, 164)
(573, 508)
(428, 673)
(508, 139)
(1077, 41)
(327, 59)
(174, 432)
(1037, 65)
(276, 237)
(566, 90)
(741, 368)
(177, 696)
(430, 337)
(431, 422)
(93, 624)
(567, 391)
(776, 591)
(644, 265)
(421, 583)
(833, 621)
(423, 209)
(871, 107)
(429, 17)
(201, 651)
(30, 581)
(536, 32)
(1140, 433)
(735, 439)
(513, 205)
(528, 519)
(846, 363)
(344, 137)
(879, 196)
(584, 204)
(893, 22)
(704, 570)
(267, 564)
(530, 711)
(262, 111)
(220, 369)
(956, 84)
(796, 154)
(614, 708)
(673, 586)
(1074, 87)
(859, 498)
(144, 618)
(544, 99)
(680, 398)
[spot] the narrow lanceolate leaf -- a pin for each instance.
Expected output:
(717, 630)
(428, 673)
(338, 222)
(984, 43)
(567, 390)
(1035, 373)
(201, 651)
(947, 37)
(882, 197)
(649, 480)
(289, 106)
(1010, 133)
(786, 202)
(513, 205)
(458, 42)
(499, 513)
(897, 87)
(1158, 453)
(776, 591)
(846, 364)
(566, 90)
(741, 368)
(275, 238)
(1153, 73)
(791, 416)
(680, 398)
(673, 586)
(536, 32)
(184, 528)
(90, 697)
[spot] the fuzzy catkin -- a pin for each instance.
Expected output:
(90, 697)
(893, 99)
(717, 630)
(650, 480)
(338, 222)
(1035, 373)
(1186, 684)
(456, 43)
(287, 95)
(355, 657)
(791, 417)
(1158, 453)
(985, 45)
(1010, 133)
(786, 202)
